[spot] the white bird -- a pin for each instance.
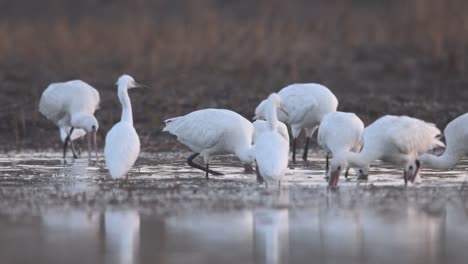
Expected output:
(396, 139)
(71, 106)
(271, 148)
(456, 139)
(122, 143)
(213, 131)
(261, 126)
(307, 104)
(339, 133)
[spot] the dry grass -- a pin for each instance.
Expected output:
(378, 56)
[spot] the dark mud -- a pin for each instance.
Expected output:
(168, 213)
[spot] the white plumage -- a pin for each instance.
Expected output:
(456, 139)
(306, 104)
(213, 131)
(261, 126)
(71, 105)
(339, 133)
(122, 141)
(396, 139)
(271, 148)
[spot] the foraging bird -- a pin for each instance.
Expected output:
(122, 143)
(307, 104)
(338, 133)
(213, 131)
(271, 148)
(456, 138)
(396, 139)
(71, 106)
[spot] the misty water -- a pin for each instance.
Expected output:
(56, 212)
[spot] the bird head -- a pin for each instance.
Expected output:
(275, 99)
(338, 164)
(411, 170)
(260, 111)
(362, 173)
(128, 82)
(86, 122)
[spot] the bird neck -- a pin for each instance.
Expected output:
(127, 115)
(445, 161)
(358, 160)
(271, 116)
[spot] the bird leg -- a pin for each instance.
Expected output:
(346, 173)
(65, 144)
(75, 156)
(259, 177)
(418, 169)
(194, 165)
(306, 149)
(294, 150)
(326, 166)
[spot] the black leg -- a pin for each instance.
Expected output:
(306, 149)
(207, 169)
(346, 173)
(194, 165)
(259, 177)
(65, 144)
(294, 150)
(327, 165)
(75, 156)
(418, 167)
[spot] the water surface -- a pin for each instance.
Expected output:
(52, 212)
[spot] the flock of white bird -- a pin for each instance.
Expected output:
(401, 140)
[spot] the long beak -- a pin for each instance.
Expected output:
(92, 143)
(416, 172)
(89, 146)
(333, 181)
(138, 85)
(95, 146)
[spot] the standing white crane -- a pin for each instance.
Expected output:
(271, 148)
(339, 133)
(213, 131)
(122, 142)
(396, 139)
(307, 104)
(71, 106)
(456, 139)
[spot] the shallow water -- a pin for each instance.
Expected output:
(51, 212)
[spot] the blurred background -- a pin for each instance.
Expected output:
(378, 56)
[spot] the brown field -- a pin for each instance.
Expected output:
(378, 56)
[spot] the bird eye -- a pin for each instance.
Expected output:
(339, 168)
(93, 127)
(360, 171)
(411, 167)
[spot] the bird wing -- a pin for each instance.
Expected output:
(121, 149)
(297, 106)
(411, 134)
(199, 130)
(52, 103)
(58, 99)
